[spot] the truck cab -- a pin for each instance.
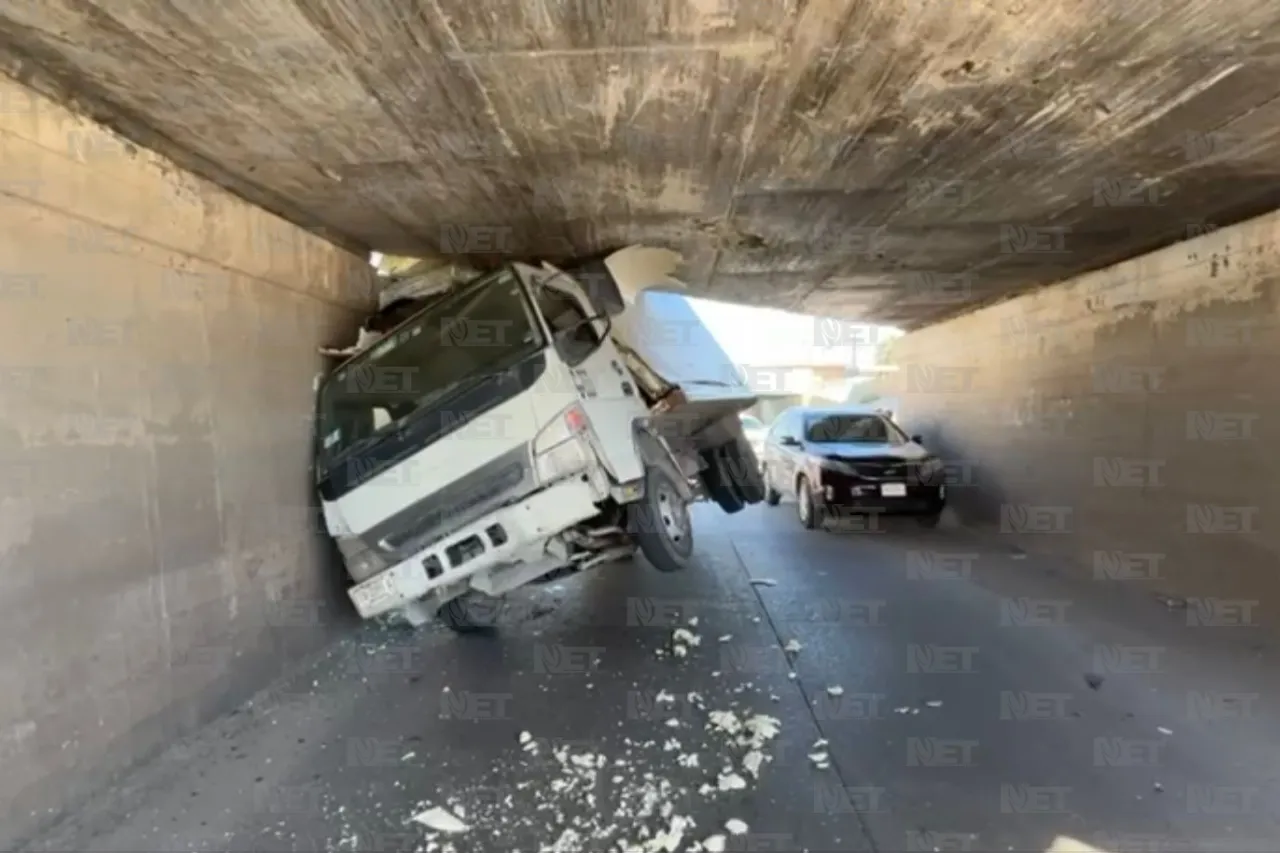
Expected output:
(496, 436)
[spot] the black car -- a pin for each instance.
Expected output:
(851, 459)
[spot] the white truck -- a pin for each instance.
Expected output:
(529, 423)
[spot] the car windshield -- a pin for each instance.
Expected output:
(846, 428)
(484, 328)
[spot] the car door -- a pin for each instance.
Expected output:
(786, 460)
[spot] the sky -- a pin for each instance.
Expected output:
(769, 337)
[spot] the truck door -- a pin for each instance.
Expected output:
(604, 385)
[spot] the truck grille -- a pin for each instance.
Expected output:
(496, 482)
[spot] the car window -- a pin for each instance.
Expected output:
(752, 423)
(852, 428)
(779, 427)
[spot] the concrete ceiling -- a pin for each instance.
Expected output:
(892, 160)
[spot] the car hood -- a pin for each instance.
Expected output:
(866, 450)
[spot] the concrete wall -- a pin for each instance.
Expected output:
(157, 350)
(1136, 409)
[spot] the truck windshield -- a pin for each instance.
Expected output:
(484, 328)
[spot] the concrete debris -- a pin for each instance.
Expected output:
(736, 827)
(685, 636)
(934, 703)
(793, 647)
(441, 820)
(731, 782)
(1162, 730)
(763, 582)
(835, 690)
(713, 844)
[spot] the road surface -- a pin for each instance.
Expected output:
(933, 690)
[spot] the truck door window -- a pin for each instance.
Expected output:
(575, 339)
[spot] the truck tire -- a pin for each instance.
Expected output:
(471, 613)
(719, 487)
(660, 523)
(743, 470)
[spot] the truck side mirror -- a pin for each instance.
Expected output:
(918, 439)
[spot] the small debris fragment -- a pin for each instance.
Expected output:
(903, 710)
(763, 582)
(736, 827)
(685, 636)
(934, 703)
(793, 646)
(664, 698)
(1162, 730)
(440, 820)
(693, 622)
(751, 762)
(1093, 680)
(525, 737)
(835, 690)
(680, 651)
(819, 758)
(673, 722)
(731, 782)
(1157, 787)
(820, 743)
(408, 755)
(713, 844)
(724, 638)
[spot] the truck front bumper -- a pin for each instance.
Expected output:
(513, 534)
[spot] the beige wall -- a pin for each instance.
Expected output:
(157, 351)
(1140, 405)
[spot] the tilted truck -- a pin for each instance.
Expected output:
(527, 424)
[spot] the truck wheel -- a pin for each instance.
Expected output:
(660, 523)
(471, 613)
(771, 495)
(812, 512)
(719, 488)
(743, 470)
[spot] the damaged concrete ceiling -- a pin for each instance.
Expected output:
(895, 160)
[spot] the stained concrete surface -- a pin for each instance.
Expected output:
(158, 343)
(990, 702)
(899, 162)
(1123, 419)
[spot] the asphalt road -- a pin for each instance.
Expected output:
(970, 697)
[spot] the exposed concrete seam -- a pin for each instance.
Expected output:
(748, 138)
(354, 308)
(734, 46)
(490, 107)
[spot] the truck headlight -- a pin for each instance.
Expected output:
(566, 458)
(362, 561)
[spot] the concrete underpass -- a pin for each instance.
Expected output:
(1085, 653)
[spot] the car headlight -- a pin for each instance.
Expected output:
(930, 468)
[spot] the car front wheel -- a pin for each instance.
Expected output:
(809, 508)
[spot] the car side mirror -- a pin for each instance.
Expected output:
(789, 441)
(918, 439)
